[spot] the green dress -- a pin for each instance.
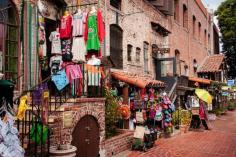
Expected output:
(93, 41)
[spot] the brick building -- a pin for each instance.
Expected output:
(191, 36)
(136, 28)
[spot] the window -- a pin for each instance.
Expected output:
(205, 37)
(209, 40)
(186, 70)
(116, 4)
(176, 11)
(138, 50)
(195, 65)
(129, 52)
(167, 68)
(178, 64)
(9, 35)
(145, 54)
(185, 16)
(194, 26)
(116, 42)
(199, 31)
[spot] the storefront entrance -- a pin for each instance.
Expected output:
(86, 137)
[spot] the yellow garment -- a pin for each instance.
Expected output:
(22, 108)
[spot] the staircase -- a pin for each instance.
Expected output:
(34, 116)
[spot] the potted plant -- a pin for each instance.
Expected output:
(185, 120)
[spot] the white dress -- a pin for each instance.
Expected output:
(78, 49)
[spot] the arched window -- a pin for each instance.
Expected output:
(178, 64)
(145, 55)
(116, 44)
(9, 40)
(185, 16)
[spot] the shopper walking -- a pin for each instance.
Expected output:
(202, 115)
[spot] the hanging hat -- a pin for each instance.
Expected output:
(125, 111)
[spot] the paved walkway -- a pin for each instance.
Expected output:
(219, 142)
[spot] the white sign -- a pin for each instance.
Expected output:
(139, 132)
(230, 82)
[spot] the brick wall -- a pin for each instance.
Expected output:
(135, 19)
(118, 143)
(79, 107)
(183, 39)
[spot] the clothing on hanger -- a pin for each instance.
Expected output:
(66, 50)
(65, 27)
(78, 23)
(60, 79)
(78, 49)
(56, 42)
(55, 63)
(22, 108)
(94, 31)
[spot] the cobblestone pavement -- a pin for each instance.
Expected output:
(218, 142)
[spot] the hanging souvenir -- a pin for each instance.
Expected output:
(39, 133)
(60, 79)
(22, 108)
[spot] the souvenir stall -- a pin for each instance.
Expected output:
(146, 100)
(70, 46)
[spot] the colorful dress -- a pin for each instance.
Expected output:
(93, 41)
(94, 32)
(65, 27)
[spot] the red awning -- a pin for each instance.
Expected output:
(137, 80)
(200, 80)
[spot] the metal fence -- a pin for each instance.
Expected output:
(45, 98)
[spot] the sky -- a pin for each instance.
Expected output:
(212, 4)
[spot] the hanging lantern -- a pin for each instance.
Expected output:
(124, 111)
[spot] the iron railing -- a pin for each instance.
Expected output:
(42, 106)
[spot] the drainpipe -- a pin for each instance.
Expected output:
(105, 21)
(188, 41)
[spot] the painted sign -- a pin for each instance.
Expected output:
(67, 119)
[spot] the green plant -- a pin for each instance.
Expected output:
(231, 106)
(111, 113)
(185, 117)
(176, 117)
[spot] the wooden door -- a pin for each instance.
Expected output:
(86, 137)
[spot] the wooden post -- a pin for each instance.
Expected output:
(125, 101)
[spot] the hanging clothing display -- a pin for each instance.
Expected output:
(66, 50)
(78, 49)
(65, 27)
(42, 38)
(55, 63)
(22, 108)
(10, 143)
(78, 23)
(94, 31)
(39, 133)
(60, 79)
(73, 72)
(56, 42)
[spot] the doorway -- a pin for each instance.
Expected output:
(86, 137)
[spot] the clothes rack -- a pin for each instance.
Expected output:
(86, 4)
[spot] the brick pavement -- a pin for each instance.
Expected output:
(219, 142)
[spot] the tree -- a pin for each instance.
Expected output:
(226, 15)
